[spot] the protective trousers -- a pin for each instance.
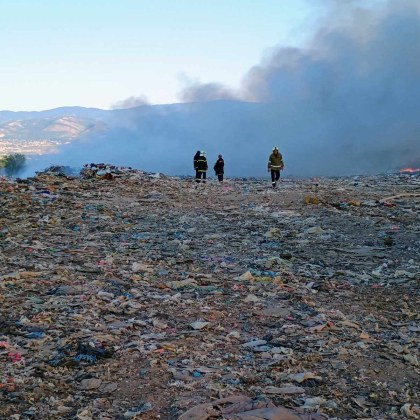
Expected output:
(275, 176)
(199, 174)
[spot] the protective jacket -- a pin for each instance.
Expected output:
(219, 167)
(275, 163)
(196, 156)
(201, 164)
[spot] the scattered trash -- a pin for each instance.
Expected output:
(135, 411)
(198, 325)
(244, 408)
(302, 377)
(284, 390)
(126, 294)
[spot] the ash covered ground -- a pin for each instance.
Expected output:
(146, 297)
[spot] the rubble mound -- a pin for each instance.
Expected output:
(57, 170)
(110, 172)
(151, 296)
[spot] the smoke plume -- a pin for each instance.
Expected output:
(131, 102)
(205, 92)
(348, 102)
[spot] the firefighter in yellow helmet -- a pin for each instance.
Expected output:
(275, 165)
(201, 167)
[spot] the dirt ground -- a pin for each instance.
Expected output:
(141, 297)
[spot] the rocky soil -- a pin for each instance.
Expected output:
(143, 297)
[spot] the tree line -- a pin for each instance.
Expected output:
(11, 164)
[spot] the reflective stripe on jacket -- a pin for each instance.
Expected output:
(202, 164)
(275, 163)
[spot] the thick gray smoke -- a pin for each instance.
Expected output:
(350, 103)
(131, 102)
(205, 92)
(347, 103)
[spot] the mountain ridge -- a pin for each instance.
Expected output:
(92, 112)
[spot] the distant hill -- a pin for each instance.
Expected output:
(51, 128)
(75, 111)
(43, 133)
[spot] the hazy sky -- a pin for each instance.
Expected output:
(95, 53)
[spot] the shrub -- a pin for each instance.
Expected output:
(13, 163)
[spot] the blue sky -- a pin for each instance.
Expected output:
(96, 52)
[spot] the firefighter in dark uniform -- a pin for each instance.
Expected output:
(275, 165)
(219, 168)
(201, 168)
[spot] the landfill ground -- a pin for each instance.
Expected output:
(144, 297)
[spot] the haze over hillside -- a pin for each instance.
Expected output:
(63, 127)
(40, 134)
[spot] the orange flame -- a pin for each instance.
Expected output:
(409, 170)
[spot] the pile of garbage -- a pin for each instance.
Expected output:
(154, 297)
(60, 171)
(96, 171)
(110, 172)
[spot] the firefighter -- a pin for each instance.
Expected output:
(219, 168)
(201, 168)
(275, 165)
